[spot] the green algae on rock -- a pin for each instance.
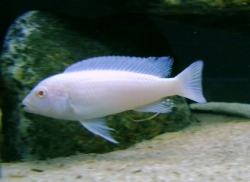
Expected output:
(41, 44)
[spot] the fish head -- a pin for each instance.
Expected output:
(47, 99)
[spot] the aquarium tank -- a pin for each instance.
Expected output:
(113, 90)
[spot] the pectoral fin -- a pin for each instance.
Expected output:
(99, 127)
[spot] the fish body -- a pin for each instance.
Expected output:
(91, 89)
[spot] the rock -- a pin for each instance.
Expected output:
(236, 109)
(96, 8)
(9, 10)
(41, 44)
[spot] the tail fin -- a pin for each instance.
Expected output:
(190, 82)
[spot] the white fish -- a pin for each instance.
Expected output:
(91, 89)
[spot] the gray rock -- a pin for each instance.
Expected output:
(95, 8)
(236, 109)
(41, 44)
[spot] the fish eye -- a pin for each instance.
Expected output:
(41, 93)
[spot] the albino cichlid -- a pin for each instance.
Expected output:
(93, 88)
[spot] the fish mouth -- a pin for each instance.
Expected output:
(27, 107)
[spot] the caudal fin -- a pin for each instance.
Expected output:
(190, 82)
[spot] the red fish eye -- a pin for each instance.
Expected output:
(41, 93)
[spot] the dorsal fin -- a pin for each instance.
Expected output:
(160, 67)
